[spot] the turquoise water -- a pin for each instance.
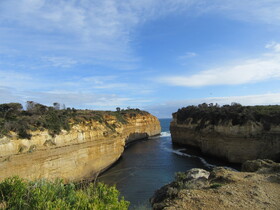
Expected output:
(149, 164)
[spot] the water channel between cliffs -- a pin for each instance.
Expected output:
(149, 164)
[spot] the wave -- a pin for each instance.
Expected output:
(165, 134)
(179, 152)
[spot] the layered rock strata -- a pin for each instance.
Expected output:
(236, 143)
(88, 148)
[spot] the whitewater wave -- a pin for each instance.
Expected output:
(181, 153)
(165, 134)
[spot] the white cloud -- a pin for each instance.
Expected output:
(263, 11)
(70, 99)
(66, 33)
(101, 30)
(187, 55)
(62, 62)
(273, 45)
(95, 92)
(14, 79)
(104, 82)
(165, 110)
(96, 31)
(249, 71)
(80, 99)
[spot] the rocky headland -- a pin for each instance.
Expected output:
(92, 143)
(256, 187)
(235, 132)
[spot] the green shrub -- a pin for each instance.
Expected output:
(234, 113)
(17, 193)
(180, 176)
(40, 117)
(216, 185)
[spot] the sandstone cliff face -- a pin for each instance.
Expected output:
(88, 148)
(234, 143)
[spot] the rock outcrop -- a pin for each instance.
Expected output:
(236, 143)
(223, 189)
(88, 148)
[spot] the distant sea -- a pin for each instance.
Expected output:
(149, 164)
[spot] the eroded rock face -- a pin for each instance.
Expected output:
(234, 143)
(87, 149)
(223, 189)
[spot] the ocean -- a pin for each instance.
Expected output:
(147, 165)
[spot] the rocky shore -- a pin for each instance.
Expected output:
(256, 187)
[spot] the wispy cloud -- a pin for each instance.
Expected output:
(105, 82)
(95, 31)
(261, 11)
(64, 34)
(100, 31)
(98, 92)
(249, 71)
(61, 62)
(183, 59)
(14, 79)
(187, 55)
(70, 99)
(274, 45)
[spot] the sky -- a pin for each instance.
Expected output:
(157, 55)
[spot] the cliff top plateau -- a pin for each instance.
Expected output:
(15, 120)
(233, 132)
(236, 113)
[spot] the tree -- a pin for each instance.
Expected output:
(203, 106)
(235, 104)
(30, 105)
(10, 110)
(56, 106)
(40, 108)
(118, 109)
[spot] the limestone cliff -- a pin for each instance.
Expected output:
(86, 149)
(236, 143)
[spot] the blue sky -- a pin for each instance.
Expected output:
(157, 55)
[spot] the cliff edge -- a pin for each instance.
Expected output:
(223, 188)
(235, 133)
(86, 148)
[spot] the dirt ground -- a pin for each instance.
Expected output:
(230, 190)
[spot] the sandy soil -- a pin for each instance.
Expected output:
(230, 190)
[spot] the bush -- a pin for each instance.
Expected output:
(234, 113)
(180, 176)
(216, 185)
(40, 117)
(17, 193)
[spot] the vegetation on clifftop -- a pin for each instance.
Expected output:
(236, 113)
(39, 117)
(17, 193)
